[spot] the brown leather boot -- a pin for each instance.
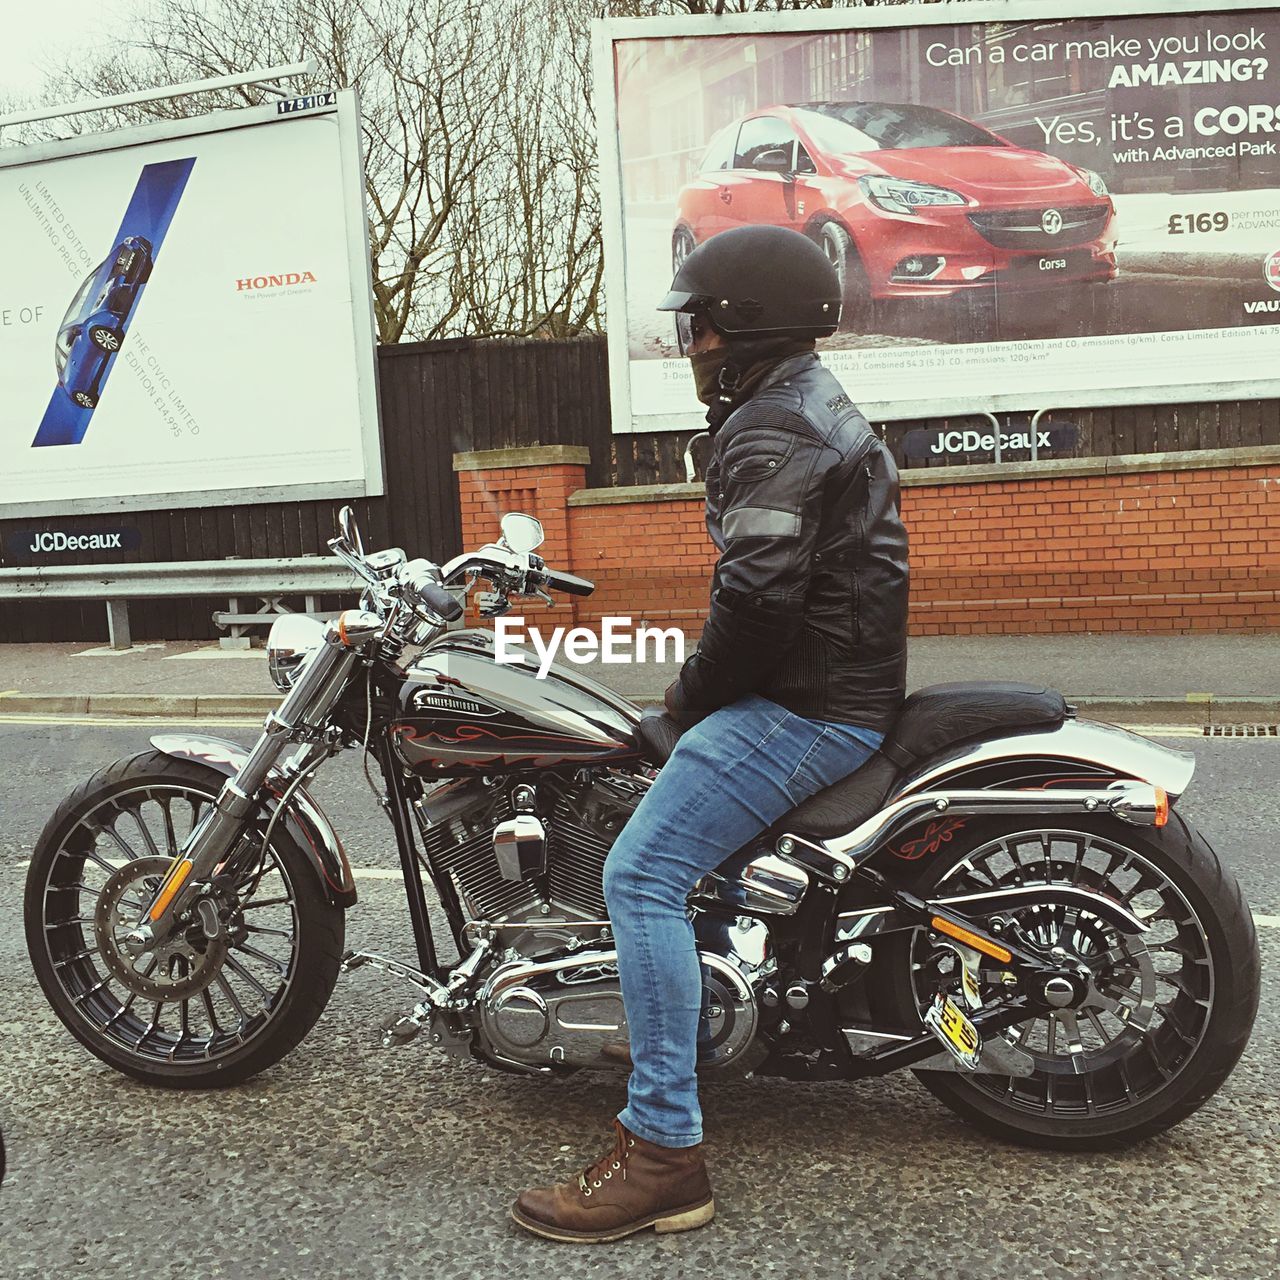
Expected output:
(636, 1185)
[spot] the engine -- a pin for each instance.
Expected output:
(529, 859)
(561, 884)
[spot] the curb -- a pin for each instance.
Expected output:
(1198, 710)
(168, 705)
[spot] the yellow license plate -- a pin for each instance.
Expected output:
(951, 1025)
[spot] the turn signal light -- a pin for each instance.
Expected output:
(970, 939)
(1162, 806)
(356, 626)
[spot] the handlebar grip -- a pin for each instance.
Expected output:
(569, 584)
(440, 601)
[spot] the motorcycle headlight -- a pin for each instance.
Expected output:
(1096, 184)
(898, 195)
(293, 639)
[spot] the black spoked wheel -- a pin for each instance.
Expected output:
(228, 995)
(1167, 1013)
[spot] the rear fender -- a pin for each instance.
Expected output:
(1075, 755)
(305, 820)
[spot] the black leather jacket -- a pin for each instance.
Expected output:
(809, 596)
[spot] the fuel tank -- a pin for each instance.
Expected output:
(460, 712)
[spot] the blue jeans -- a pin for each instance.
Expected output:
(730, 776)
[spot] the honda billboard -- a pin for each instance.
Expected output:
(185, 314)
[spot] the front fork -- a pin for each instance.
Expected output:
(213, 838)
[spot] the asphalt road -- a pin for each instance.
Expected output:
(350, 1161)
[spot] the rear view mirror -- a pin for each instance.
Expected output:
(521, 533)
(350, 530)
(775, 160)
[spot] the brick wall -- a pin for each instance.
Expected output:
(1153, 543)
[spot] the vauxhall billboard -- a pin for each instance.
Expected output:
(185, 314)
(1039, 206)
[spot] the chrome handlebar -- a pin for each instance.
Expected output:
(412, 592)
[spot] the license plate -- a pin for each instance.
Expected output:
(959, 1036)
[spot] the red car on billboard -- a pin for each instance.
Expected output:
(908, 201)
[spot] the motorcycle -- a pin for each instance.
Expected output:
(1004, 898)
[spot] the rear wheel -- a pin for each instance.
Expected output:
(200, 1011)
(1167, 1015)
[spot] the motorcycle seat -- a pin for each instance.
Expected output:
(931, 720)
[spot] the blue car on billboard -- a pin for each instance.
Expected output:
(92, 331)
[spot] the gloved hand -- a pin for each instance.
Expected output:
(674, 703)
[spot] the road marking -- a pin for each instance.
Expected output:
(18, 717)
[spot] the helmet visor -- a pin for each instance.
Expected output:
(678, 300)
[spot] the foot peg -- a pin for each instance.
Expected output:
(400, 1028)
(843, 965)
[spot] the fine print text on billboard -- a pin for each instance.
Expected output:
(184, 315)
(1023, 214)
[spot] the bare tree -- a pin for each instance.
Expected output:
(479, 136)
(428, 73)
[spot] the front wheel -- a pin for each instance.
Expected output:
(201, 1011)
(855, 288)
(1168, 1012)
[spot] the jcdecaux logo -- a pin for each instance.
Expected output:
(977, 441)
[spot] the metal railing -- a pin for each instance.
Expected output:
(267, 581)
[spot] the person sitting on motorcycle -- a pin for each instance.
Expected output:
(799, 673)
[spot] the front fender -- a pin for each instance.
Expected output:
(305, 819)
(1063, 757)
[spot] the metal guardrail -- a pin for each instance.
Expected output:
(116, 584)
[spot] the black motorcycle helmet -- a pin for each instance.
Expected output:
(759, 282)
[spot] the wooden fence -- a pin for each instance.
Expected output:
(445, 397)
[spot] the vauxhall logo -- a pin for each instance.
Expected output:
(1051, 222)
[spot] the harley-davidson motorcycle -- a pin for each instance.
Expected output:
(1003, 898)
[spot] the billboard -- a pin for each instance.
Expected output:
(1041, 206)
(186, 315)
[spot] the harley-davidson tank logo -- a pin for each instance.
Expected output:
(430, 700)
(934, 836)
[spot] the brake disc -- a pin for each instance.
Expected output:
(182, 966)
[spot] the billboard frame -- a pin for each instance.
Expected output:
(610, 31)
(346, 109)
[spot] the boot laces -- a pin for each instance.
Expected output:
(612, 1163)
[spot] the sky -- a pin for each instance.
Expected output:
(35, 34)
